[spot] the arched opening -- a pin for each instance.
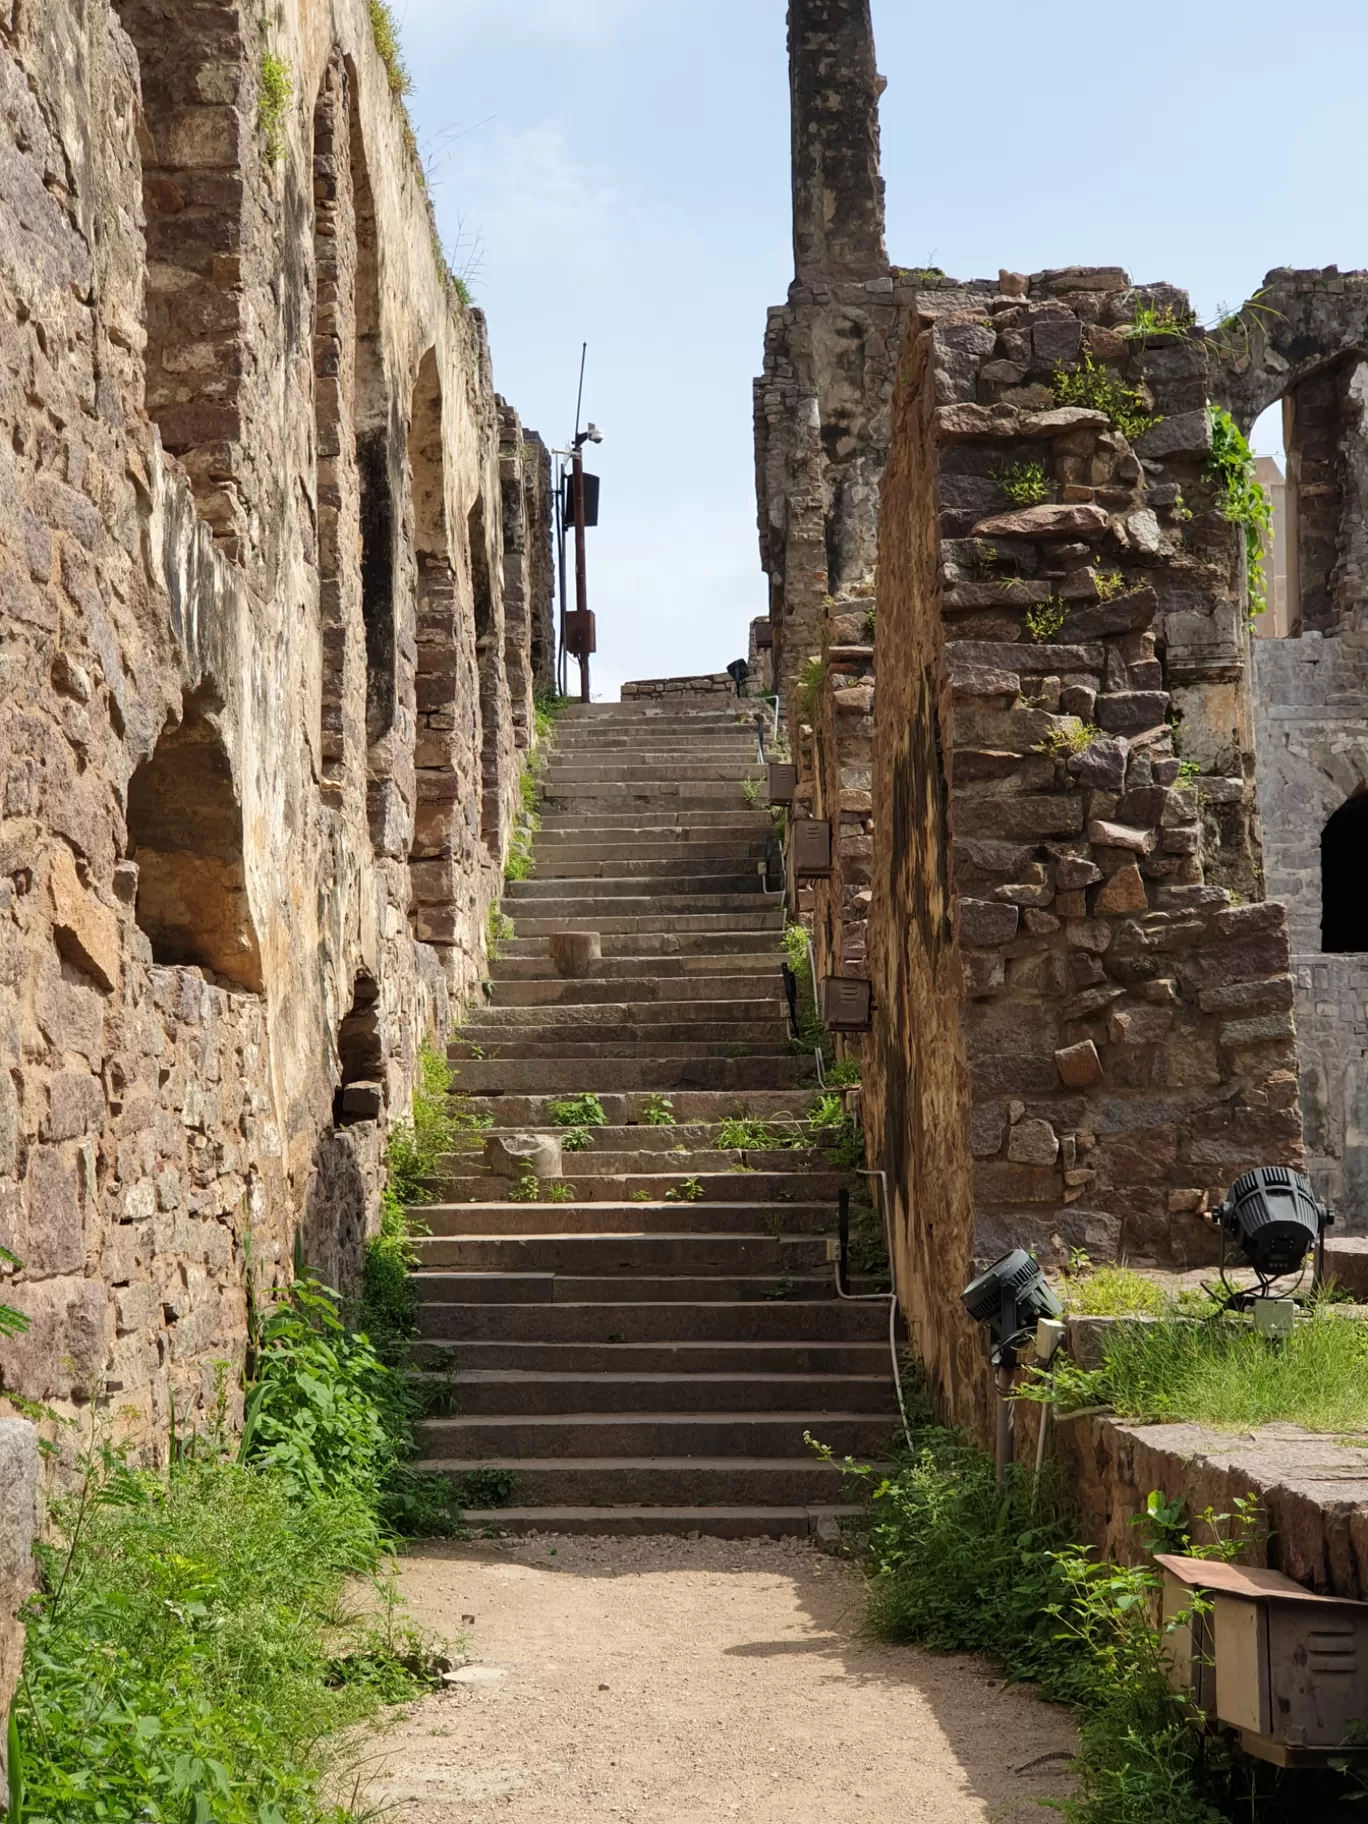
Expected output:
(360, 1094)
(185, 833)
(193, 206)
(1344, 879)
(442, 675)
(370, 421)
(487, 658)
(1267, 441)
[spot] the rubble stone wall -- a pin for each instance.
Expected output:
(263, 703)
(1068, 992)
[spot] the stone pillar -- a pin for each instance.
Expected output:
(838, 194)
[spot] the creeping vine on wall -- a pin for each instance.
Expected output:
(1243, 501)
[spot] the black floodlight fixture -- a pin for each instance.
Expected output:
(739, 671)
(1275, 1219)
(1010, 1299)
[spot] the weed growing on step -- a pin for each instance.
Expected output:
(546, 707)
(839, 1134)
(578, 1111)
(688, 1190)
(1025, 484)
(486, 1488)
(498, 931)
(560, 1192)
(659, 1111)
(527, 1189)
(641, 1197)
(845, 1074)
(1093, 386)
(575, 1140)
(750, 793)
(746, 1133)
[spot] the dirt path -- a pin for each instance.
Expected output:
(679, 1681)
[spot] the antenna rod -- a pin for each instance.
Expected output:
(579, 401)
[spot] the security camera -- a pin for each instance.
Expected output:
(594, 434)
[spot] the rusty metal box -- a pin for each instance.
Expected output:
(783, 782)
(764, 636)
(811, 847)
(1286, 1667)
(581, 635)
(847, 1003)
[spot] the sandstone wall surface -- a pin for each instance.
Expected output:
(262, 704)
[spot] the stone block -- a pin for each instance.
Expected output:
(1079, 1065)
(575, 953)
(86, 932)
(1062, 521)
(63, 1351)
(514, 1155)
(1139, 1025)
(1108, 835)
(984, 924)
(1132, 712)
(1124, 892)
(363, 1101)
(1033, 1142)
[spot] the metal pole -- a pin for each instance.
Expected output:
(581, 574)
(560, 541)
(1004, 1426)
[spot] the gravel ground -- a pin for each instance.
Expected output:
(691, 1681)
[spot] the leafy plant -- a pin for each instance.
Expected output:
(1243, 501)
(688, 1190)
(1025, 484)
(527, 1189)
(641, 1197)
(1188, 770)
(486, 1488)
(546, 706)
(845, 1073)
(578, 1111)
(1046, 620)
(518, 866)
(869, 624)
(385, 31)
(808, 688)
(1069, 736)
(745, 1132)
(1094, 386)
(575, 1140)
(659, 1111)
(750, 793)
(498, 930)
(1160, 321)
(273, 103)
(12, 1322)
(1110, 584)
(561, 1193)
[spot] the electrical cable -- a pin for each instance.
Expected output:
(861, 1298)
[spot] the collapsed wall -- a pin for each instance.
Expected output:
(276, 566)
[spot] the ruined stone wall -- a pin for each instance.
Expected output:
(1064, 992)
(262, 706)
(712, 688)
(1304, 340)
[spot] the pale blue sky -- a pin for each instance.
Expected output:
(617, 171)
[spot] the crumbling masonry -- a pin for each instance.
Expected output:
(276, 573)
(1091, 841)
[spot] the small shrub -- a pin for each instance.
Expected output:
(1110, 584)
(498, 930)
(808, 689)
(578, 1111)
(575, 1140)
(1188, 770)
(844, 1074)
(659, 1111)
(868, 625)
(1071, 736)
(1046, 620)
(1025, 484)
(386, 34)
(1243, 501)
(1161, 322)
(546, 704)
(527, 1189)
(750, 793)
(486, 1488)
(273, 104)
(1094, 386)
(518, 866)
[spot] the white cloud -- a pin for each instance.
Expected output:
(583, 20)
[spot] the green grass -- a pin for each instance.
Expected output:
(385, 31)
(1116, 1292)
(273, 104)
(1218, 1372)
(192, 1649)
(808, 689)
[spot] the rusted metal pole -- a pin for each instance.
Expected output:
(581, 573)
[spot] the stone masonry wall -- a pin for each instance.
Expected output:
(1066, 997)
(262, 705)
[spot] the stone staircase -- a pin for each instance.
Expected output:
(647, 1355)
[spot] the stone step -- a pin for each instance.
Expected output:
(578, 1017)
(558, 1436)
(710, 1042)
(530, 1112)
(677, 1360)
(679, 1037)
(678, 1522)
(666, 922)
(656, 992)
(530, 1287)
(635, 796)
(657, 1481)
(710, 861)
(756, 957)
(648, 949)
(720, 889)
(605, 1255)
(602, 1186)
(618, 825)
(443, 1316)
(783, 1163)
(486, 1393)
(620, 1218)
(563, 772)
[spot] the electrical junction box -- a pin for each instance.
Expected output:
(764, 636)
(783, 782)
(581, 635)
(1285, 1667)
(810, 847)
(847, 1003)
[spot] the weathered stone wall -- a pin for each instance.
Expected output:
(262, 704)
(712, 687)
(18, 1525)
(1063, 990)
(1304, 339)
